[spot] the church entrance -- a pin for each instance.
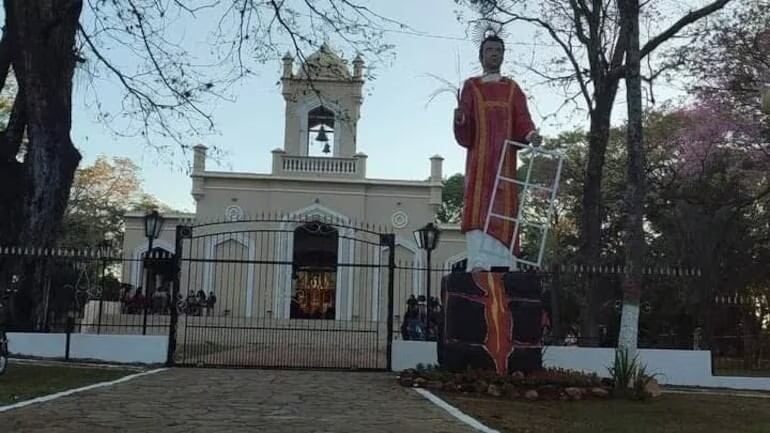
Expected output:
(314, 273)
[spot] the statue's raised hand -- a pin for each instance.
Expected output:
(534, 138)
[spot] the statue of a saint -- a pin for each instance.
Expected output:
(492, 109)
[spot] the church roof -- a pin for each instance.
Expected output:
(324, 64)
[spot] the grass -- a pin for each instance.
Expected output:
(671, 413)
(25, 381)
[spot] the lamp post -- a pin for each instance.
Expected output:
(153, 224)
(427, 239)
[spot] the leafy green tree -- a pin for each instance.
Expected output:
(714, 200)
(451, 209)
(100, 196)
(710, 204)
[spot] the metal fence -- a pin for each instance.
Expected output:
(665, 320)
(340, 314)
(741, 341)
(83, 291)
(741, 355)
(290, 293)
(564, 291)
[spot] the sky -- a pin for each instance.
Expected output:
(398, 129)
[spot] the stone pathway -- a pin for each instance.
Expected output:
(200, 400)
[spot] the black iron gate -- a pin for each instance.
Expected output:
(283, 292)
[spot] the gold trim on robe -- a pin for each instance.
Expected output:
(495, 111)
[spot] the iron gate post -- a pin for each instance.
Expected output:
(182, 232)
(389, 240)
(70, 328)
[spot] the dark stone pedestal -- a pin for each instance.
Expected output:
(491, 321)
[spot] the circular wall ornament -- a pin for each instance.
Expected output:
(399, 219)
(233, 212)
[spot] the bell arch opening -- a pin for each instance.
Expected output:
(320, 130)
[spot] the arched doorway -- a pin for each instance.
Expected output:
(314, 273)
(158, 268)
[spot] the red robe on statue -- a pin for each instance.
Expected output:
(494, 111)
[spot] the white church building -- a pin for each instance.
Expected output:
(260, 258)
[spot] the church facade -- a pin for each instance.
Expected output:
(299, 242)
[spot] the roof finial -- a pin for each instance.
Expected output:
(358, 66)
(288, 65)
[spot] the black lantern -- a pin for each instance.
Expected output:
(427, 239)
(153, 224)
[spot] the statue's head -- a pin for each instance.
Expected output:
(491, 52)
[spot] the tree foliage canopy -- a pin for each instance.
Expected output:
(100, 196)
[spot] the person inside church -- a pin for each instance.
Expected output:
(211, 302)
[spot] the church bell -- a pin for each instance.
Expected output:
(323, 138)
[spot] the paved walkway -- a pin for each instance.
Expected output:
(198, 400)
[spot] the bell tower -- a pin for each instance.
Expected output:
(323, 104)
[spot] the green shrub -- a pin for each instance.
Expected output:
(623, 370)
(629, 375)
(641, 380)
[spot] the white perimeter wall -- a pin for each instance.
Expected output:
(144, 349)
(407, 354)
(673, 367)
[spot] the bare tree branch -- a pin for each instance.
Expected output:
(167, 88)
(682, 23)
(565, 48)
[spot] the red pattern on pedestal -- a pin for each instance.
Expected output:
(494, 111)
(498, 342)
(491, 321)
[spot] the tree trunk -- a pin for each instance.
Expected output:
(635, 182)
(11, 171)
(44, 61)
(11, 199)
(598, 137)
(591, 222)
(557, 333)
(705, 312)
(43, 57)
